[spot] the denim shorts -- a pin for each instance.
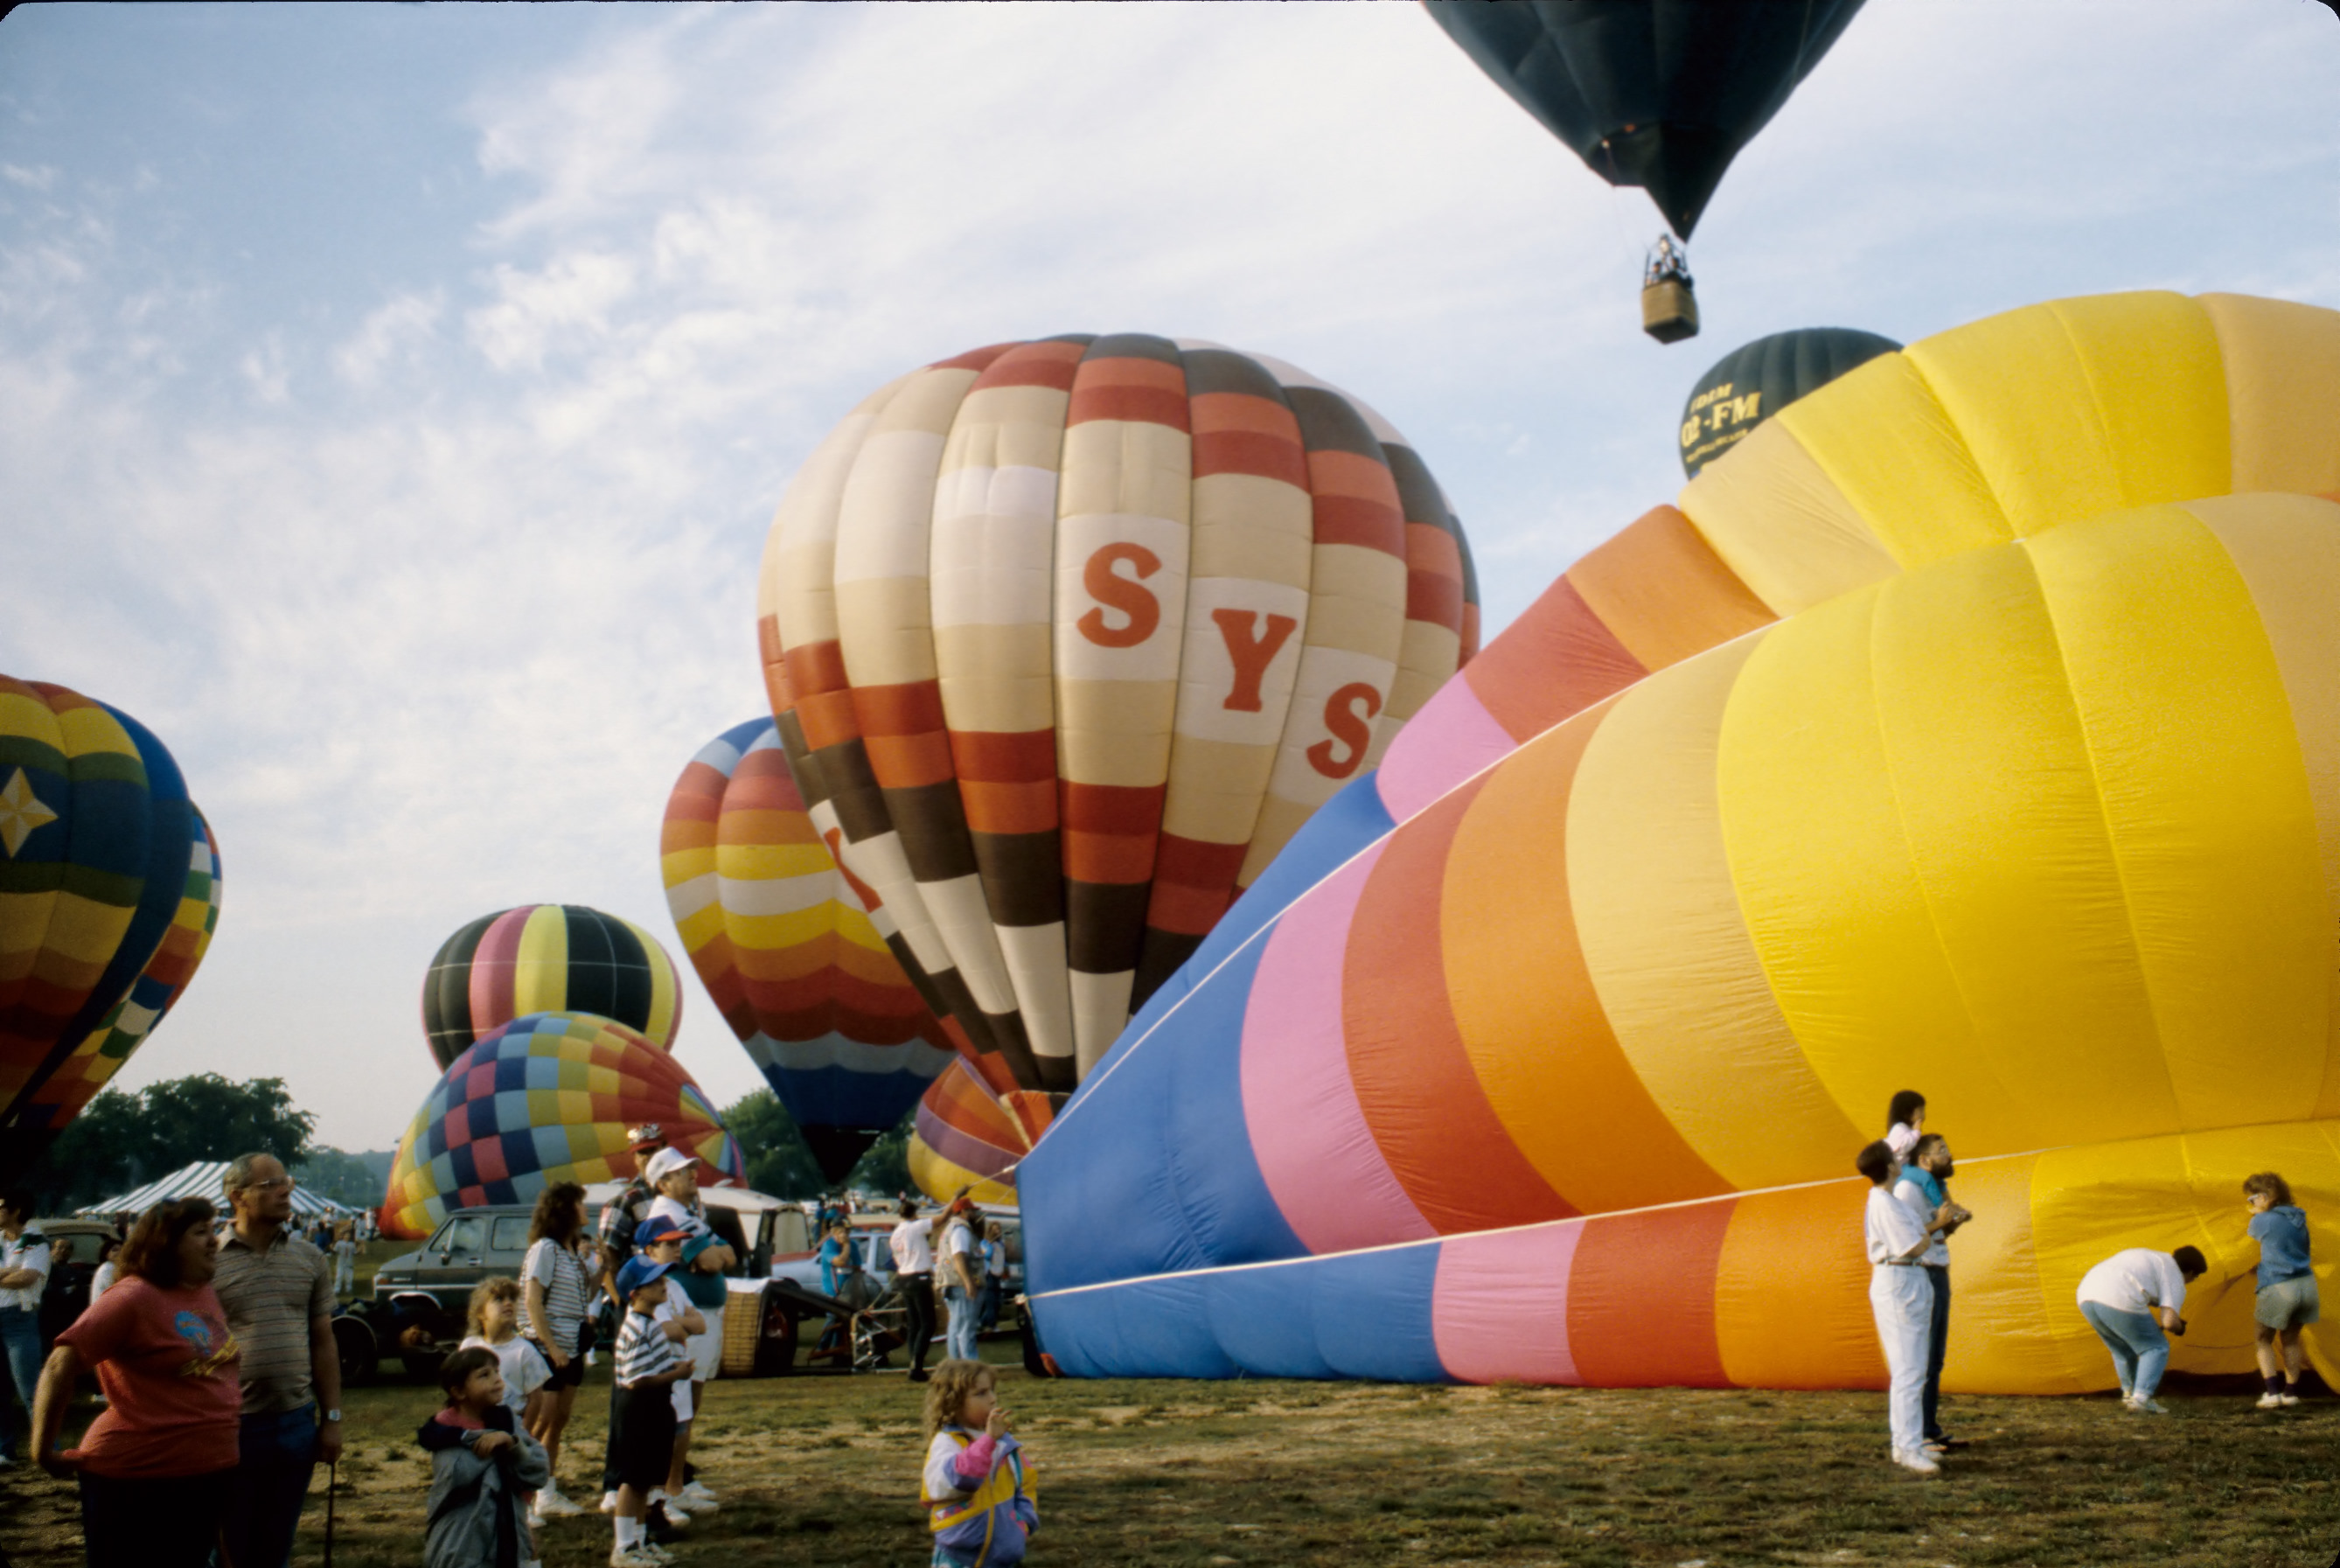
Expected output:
(2288, 1303)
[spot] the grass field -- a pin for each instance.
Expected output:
(822, 1471)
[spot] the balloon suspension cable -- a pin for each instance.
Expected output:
(1668, 262)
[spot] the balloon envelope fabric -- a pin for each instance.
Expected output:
(1968, 727)
(95, 833)
(547, 958)
(152, 997)
(547, 1097)
(1755, 381)
(786, 947)
(964, 1138)
(1065, 639)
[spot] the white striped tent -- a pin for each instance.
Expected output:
(203, 1179)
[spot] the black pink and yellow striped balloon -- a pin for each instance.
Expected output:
(547, 959)
(1066, 639)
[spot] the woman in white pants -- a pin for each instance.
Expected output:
(1903, 1300)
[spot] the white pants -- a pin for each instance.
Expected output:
(1903, 1300)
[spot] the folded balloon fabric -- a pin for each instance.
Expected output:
(1973, 727)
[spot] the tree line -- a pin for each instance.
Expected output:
(124, 1139)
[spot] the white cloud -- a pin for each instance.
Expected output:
(397, 330)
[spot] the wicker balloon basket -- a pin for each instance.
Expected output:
(743, 1330)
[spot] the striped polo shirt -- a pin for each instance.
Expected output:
(644, 1350)
(270, 1297)
(566, 1285)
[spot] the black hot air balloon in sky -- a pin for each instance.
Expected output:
(1659, 93)
(1752, 382)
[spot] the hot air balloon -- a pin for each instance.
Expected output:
(1752, 382)
(155, 992)
(786, 946)
(547, 958)
(1065, 639)
(1974, 711)
(965, 1141)
(95, 828)
(1659, 93)
(545, 1098)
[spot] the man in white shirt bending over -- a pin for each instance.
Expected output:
(2128, 1299)
(1902, 1297)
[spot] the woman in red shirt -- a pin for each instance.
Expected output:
(153, 1466)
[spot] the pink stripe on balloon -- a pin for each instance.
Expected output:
(494, 968)
(1499, 1309)
(1450, 739)
(1308, 1132)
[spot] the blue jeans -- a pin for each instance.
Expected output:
(1938, 1345)
(960, 1334)
(277, 1456)
(987, 1306)
(20, 1335)
(2140, 1350)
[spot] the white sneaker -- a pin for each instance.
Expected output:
(698, 1499)
(1918, 1461)
(2270, 1402)
(676, 1515)
(657, 1553)
(551, 1505)
(608, 1502)
(2149, 1407)
(634, 1557)
(2290, 1398)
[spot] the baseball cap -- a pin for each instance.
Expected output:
(649, 1134)
(664, 1164)
(650, 1232)
(639, 1272)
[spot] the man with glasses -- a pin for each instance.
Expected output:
(278, 1292)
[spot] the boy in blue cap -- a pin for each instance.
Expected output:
(649, 1363)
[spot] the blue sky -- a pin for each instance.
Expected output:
(397, 396)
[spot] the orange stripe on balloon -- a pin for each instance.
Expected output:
(1640, 1298)
(1533, 1026)
(1413, 1080)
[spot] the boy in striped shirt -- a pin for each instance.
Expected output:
(649, 1363)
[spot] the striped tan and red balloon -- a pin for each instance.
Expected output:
(1066, 638)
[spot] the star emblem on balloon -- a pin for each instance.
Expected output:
(22, 812)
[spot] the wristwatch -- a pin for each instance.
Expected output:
(332, 1415)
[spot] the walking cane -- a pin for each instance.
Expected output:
(332, 1482)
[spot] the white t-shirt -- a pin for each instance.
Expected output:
(1913, 1197)
(346, 1250)
(102, 1280)
(524, 1370)
(914, 1251)
(958, 1241)
(1888, 1227)
(2137, 1280)
(29, 1250)
(676, 1304)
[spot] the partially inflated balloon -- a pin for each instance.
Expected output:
(548, 958)
(966, 1140)
(546, 1098)
(94, 832)
(1752, 382)
(786, 946)
(1968, 727)
(1065, 639)
(1660, 93)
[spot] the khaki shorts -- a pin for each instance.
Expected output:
(2288, 1303)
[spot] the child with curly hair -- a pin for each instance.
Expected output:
(977, 1489)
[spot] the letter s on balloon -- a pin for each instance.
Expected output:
(1348, 727)
(1113, 591)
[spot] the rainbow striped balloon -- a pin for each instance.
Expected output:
(964, 1140)
(546, 1097)
(1066, 639)
(1971, 726)
(800, 962)
(547, 958)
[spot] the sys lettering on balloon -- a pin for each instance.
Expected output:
(1251, 653)
(1112, 591)
(1350, 728)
